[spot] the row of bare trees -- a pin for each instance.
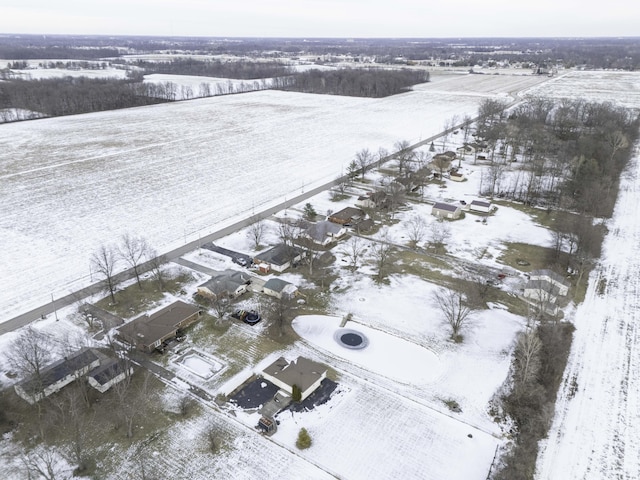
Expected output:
(134, 251)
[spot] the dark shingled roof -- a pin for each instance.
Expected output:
(107, 372)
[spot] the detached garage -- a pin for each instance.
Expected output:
(446, 210)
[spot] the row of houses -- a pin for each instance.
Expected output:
(100, 371)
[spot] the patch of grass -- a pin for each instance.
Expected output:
(420, 265)
(134, 300)
(452, 405)
(536, 256)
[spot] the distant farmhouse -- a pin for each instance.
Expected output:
(149, 331)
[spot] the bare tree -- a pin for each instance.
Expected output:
(256, 230)
(527, 358)
(279, 310)
(131, 399)
(440, 232)
(404, 155)
(353, 250)
(457, 313)
(395, 195)
(104, 261)
(364, 159)
(43, 463)
(220, 304)
(133, 251)
(340, 187)
(28, 355)
(493, 176)
(157, 262)
(416, 230)
(381, 255)
(381, 156)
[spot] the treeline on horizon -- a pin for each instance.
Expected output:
(360, 82)
(244, 70)
(616, 53)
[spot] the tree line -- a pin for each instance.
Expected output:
(244, 70)
(572, 152)
(73, 95)
(361, 82)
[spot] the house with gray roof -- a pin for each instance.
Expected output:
(57, 375)
(305, 374)
(552, 277)
(278, 258)
(278, 288)
(108, 374)
(446, 210)
(325, 232)
(229, 283)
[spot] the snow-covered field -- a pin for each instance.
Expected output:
(174, 172)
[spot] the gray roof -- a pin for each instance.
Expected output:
(543, 286)
(107, 371)
(279, 255)
(276, 284)
(319, 231)
(53, 373)
(301, 372)
(347, 214)
(481, 203)
(550, 274)
(226, 281)
(446, 206)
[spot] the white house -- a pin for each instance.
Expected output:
(108, 374)
(552, 277)
(231, 283)
(278, 258)
(278, 288)
(56, 376)
(541, 291)
(325, 232)
(306, 374)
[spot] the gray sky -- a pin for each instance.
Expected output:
(324, 18)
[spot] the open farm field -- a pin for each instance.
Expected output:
(173, 172)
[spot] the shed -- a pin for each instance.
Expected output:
(481, 206)
(446, 210)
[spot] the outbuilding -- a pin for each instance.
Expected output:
(446, 210)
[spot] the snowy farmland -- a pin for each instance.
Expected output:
(174, 172)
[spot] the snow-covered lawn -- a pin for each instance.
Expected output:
(176, 171)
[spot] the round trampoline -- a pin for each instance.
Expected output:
(352, 339)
